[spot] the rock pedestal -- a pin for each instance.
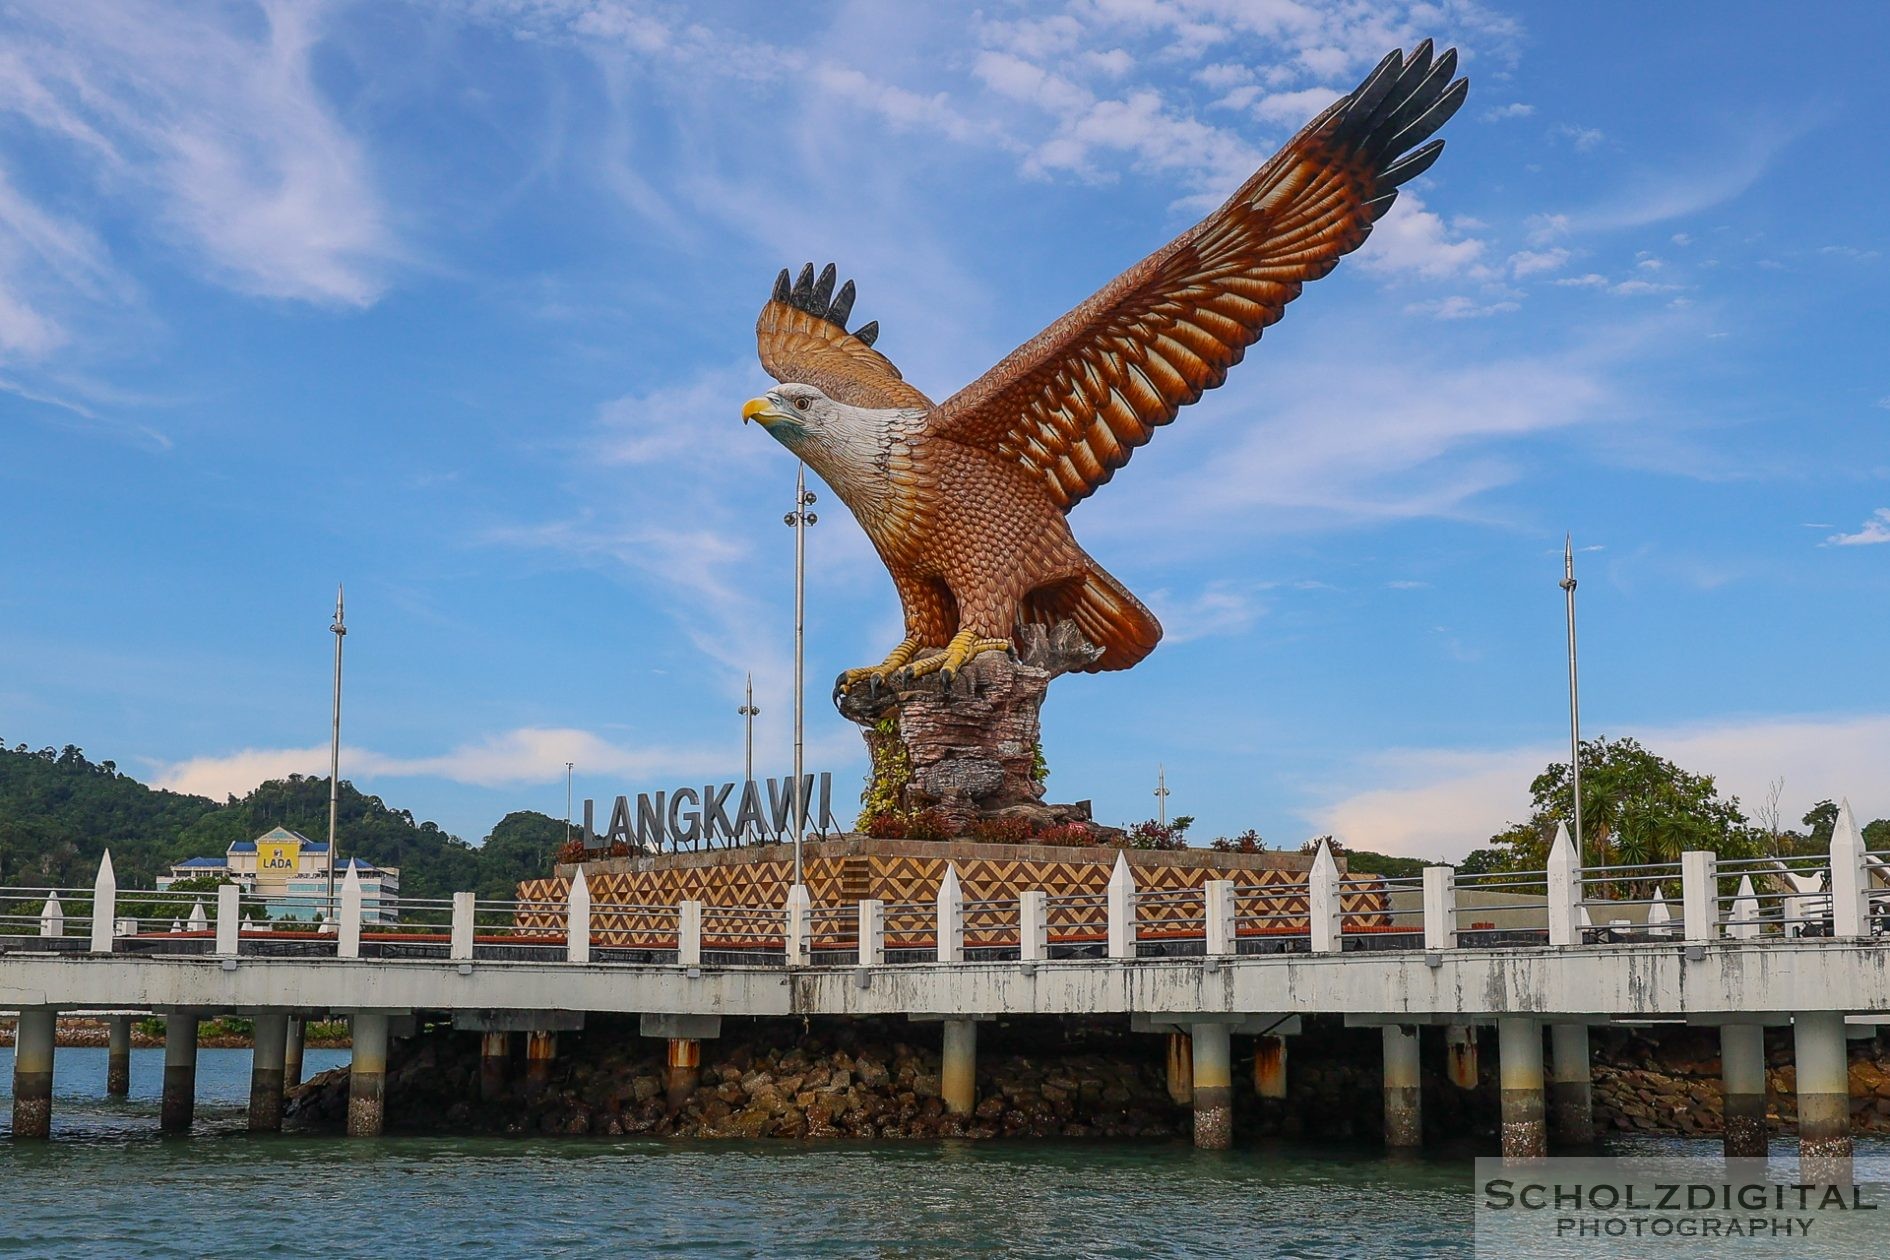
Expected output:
(969, 748)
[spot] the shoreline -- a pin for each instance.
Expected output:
(80, 1033)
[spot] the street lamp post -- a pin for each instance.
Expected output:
(567, 801)
(749, 713)
(1161, 795)
(800, 518)
(1574, 692)
(340, 630)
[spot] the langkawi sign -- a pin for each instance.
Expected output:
(716, 815)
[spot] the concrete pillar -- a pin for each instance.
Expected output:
(958, 1070)
(1181, 1069)
(1269, 1066)
(118, 1058)
(541, 1049)
(266, 1070)
(682, 1069)
(1404, 1095)
(1571, 1105)
(1213, 1088)
(495, 1048)
(33, 1038)
(1742, 1079)
(1460, 1055)
(292, 1053)
(1519, 1063)
(179, 1106)
(1824, 1097)
(367, 1074)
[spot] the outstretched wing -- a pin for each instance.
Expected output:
(1074, 403)
(802, 336)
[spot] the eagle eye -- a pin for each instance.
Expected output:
(801, 403)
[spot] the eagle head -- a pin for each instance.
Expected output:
(796, 415)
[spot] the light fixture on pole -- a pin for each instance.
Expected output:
(749, 713)
(340, 629)
(567, 801)
(1161, 795)
(799, 519)
(1574, 692)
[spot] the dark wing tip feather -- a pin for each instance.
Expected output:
(1399, 105)
(816, 296)
(867, 333)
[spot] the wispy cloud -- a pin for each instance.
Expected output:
(1875, 530)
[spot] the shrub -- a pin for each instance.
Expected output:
(1003, 830)
(923, 824)
(1248, 841)
(572, 851)
(1150, 834)
(1073, 834)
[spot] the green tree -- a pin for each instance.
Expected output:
(522, 846)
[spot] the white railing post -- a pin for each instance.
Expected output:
(1440, 907)
(1033, 925)
(348, 943)
(465, 905)
(1850, 878)
(52, 919)
(800, 926)
(951, 917)
(1122, 909)
(577, 919)
(872, 933)
(1218, 907)
(229, 920)
(104, 906)
(1323, 919)
(689, 934)
(1659, 918)
(1699, 895)
(1743, 922)
(198, 920)
(1565, 890)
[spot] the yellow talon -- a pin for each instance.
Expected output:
(964, 646)
(877, 673)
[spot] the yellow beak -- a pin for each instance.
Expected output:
(760, 409)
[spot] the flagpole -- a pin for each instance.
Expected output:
(1574, 691)
(340, 629)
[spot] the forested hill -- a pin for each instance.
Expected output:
(59, 811)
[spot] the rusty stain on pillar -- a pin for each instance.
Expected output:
(958, 1066)
(494, 1049)
(1824, 1097)
(1180, 1069)
(1269, 1067)
(179, 1106)
(367, 1074)
(682, 1070)
(118, 1058)
(33, 1039)
(1213, 1081)
(1460, 1055)
(1742, 1082)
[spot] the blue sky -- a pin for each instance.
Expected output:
(454, 302)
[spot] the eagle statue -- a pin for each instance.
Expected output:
(966, 500)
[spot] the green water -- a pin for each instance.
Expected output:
(108, 1185)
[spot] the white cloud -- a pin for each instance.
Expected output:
(1414, 241)
(1875, 530)
(1589, 281)
(1460, 307)
(1532, 262)
(1296, 108)
(1221, 607)
(1516, 109)
(1435, 803)
(1585, 139)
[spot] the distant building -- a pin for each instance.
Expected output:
(290, 872)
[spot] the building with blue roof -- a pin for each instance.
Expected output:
(289, 872)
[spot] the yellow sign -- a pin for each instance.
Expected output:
(277, 857)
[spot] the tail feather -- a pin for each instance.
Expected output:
(1104, 610)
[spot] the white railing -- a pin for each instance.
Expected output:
(1698, 900)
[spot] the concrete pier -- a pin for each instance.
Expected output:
(1460, 1055)
(1213, 1080)
(682, 1069)
(1824, 1097)
(1269, 1066)
(1404, 1094)
(495, 1050)
(367, 1074)
(1742, 1080)
(179, 1106)
(292, 1053)
(33, 1039)
(958, 1068)
(541, 1050)
(1180, 1069)
(266, 1071)
(1519, 1064)
(1571, 1101)
(118, 1057)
